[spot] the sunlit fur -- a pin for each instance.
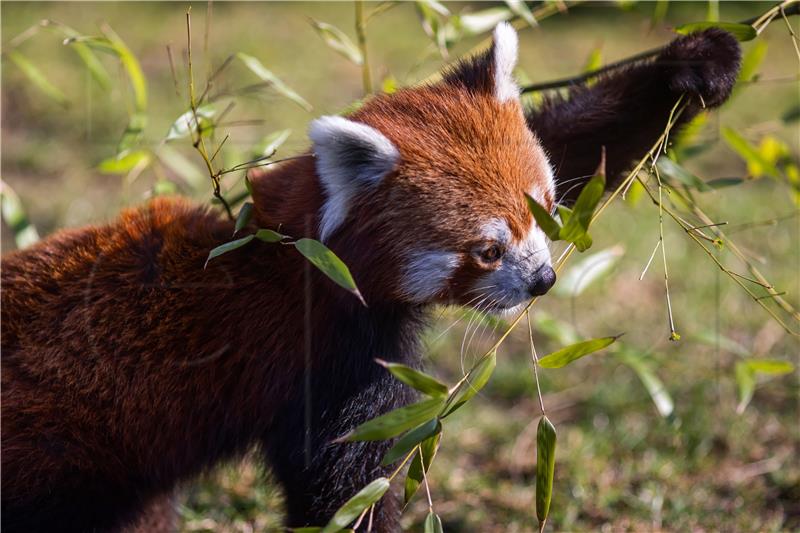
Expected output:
(128, 368)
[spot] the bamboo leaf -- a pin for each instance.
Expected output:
(414, 478)
(337, 40)
(576, 226)
(329, 264)
(594, 267)
(673, 170)
(755, 161)
(186, 125)
(433, 524)
(357, 504)
(484, 20)
(133, 132)
(94, 65)
(654, 386)
(770, 366)
(742, 32)
(752, 61)
(416, 379)
(521, 9)
(548, 224)
(266, 75)
(565, 356)
(395, 422)
(475, 380)
(124, 162)
(268, 235)
(36, 77)
(545, 468)
(228, 247)
(407, 442)
(244, 217)
(270, 144)
(16, 218)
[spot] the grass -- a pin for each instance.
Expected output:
(620, 466)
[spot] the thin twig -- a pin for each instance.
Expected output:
(535, 361)
(361, 35)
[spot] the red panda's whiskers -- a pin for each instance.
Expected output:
(466, 331)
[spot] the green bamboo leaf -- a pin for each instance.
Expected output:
(673, 170)
(268, 235)
(594, 61)
(186, 125)
(416, 379)
(770, 366)
(395, 422)
(36, 77)
(721, 183)
(266, 75)
(244, 217)
(329, 264)
(521, 9)
(337, 40)
(112, 43)
(270, 144)
(548, 224)
(565, 356)
(659, 394)
(133, 132)
(228, 247)
(357, 504)
(433, 524)
(16, 218)
(748, 152)
(591, 269)
(742, 32)
(484, 20)
(751, 61)
(415, 476)
(545, 468)
(407, 442)
(475, 380)
(576, 226)
(659, 12)
(96, 68)
(306, 529)
(124, 162)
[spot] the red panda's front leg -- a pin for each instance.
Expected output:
(318, 475)
(627, 111)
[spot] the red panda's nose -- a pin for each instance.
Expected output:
(544, 280)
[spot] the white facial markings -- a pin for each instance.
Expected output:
(350, 156)
(507, 286)
(505, 59)
(497, 230)
(426, 274)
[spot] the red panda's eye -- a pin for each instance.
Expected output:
(492, 254)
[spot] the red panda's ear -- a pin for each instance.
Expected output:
(492, 71)
(350, 157)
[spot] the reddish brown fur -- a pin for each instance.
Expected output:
(127, 367)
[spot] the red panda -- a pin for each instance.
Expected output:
(127, 367)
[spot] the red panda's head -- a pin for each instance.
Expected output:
(424, 189)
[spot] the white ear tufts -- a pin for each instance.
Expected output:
(350, 156)
(506, 45)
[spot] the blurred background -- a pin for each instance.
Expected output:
(653, 434)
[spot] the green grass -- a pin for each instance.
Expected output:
(620, 466)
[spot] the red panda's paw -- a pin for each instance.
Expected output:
(704, 65)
